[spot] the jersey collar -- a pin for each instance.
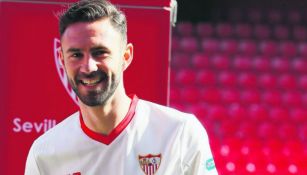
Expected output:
(108, 139)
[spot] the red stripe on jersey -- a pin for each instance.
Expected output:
(117, 130)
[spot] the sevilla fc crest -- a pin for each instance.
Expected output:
(150, 163)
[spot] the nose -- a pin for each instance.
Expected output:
(89, 65)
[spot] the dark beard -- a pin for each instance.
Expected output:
(97, 97)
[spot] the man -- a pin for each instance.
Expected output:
(113, 134)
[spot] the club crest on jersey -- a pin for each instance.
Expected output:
(150, 163)
(61, 70)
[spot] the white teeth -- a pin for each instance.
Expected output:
(91, 81)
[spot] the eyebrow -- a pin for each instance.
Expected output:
(72, 50)
(100, 48)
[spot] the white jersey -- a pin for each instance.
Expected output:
(151, 140)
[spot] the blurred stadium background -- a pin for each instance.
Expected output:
(241, 68)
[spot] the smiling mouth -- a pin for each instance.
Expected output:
(92, 79)
(91, 82)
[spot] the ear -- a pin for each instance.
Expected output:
(61, 56)
(128, 56)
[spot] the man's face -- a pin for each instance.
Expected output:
(93, 57)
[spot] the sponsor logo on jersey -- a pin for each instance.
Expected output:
(61, 70)
(150, 163)
(210, 164)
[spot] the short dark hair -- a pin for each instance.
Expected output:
(93, 10)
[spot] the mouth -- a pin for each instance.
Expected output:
(92, 79)
(91, 82)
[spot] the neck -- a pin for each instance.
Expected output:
(103, 119)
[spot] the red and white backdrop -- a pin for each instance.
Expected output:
(34, 94)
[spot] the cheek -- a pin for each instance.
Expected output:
(71, 70)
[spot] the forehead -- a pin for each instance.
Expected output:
(88, 33)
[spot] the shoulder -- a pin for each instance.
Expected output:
(164, 114)
(58, 133)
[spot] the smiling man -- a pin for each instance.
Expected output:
(113, 134)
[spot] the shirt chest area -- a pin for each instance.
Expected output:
(138, 156)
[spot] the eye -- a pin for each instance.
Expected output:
(98, 53)
(77, 55)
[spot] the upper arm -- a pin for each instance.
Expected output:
(197, 156)
(31, 165)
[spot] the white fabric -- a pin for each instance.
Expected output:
(178, 137)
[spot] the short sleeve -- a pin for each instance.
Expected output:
(196, 152)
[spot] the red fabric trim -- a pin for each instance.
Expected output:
(108, 139)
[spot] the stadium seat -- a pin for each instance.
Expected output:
(189, 44)
(298, 115)
(278, 114)
(200, 60)
(243, 30)
(250, 96)
(261, 63)
(217, 113)
(174, 93)
(237, 112)
(267, 81)
(299, 33)
(287, 81)
(247, 47)
(267, 130)
(230, 95)
(258, 113)
(172, 77)
(210, 95)
(205, 30)
(302, 49)
(227, 128)
(268, 47)
(228, 46)
(246, 82)
(262, 31)
(302, 82)
(180, 60)
(291, 98)
(175, 44)
(246, 130)
(294, 17)
(304, 98)
(241, 62)
(220, 61)
(224, 30)
(185, 77)
(205, 78)
(246, 79)
(271, 97)
(299, 64)
(185, 29)
(288, 48)
(226, 78)
(189, 95)
(210, 45)
(281, 32)
(302, 131)
(280, 64)
(287, 131)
